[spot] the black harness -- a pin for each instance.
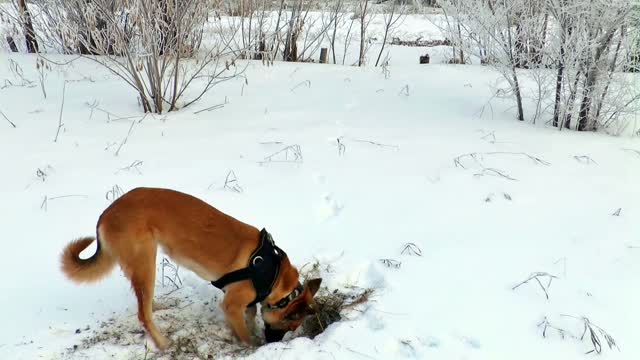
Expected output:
(263, 269)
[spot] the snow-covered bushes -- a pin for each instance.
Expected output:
(582, 44)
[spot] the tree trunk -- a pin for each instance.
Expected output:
(29, 33)
(591, 78)
(516, 86)
(612, 69)
(12, 44)
(362, 32)
(461, 52)
(559, 82)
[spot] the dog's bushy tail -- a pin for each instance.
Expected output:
(85, 270)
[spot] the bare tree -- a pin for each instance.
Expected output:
(488, 24)
(365, 18)
(392, 14)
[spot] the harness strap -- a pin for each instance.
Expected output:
(262, 269)
(234, 276)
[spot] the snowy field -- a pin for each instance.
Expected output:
(400, 183)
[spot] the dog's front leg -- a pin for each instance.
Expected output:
(250, 315)
(235, 303)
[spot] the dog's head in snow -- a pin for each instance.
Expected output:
(290, 311)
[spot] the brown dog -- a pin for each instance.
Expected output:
(236, 257)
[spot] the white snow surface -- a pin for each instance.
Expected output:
(394, 182)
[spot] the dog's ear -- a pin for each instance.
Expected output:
(313, 285)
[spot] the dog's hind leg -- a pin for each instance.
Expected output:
(143, 278)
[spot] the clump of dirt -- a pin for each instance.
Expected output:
(330, 306)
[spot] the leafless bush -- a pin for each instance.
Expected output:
(154, 46)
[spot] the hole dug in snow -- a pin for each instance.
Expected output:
(330, 306)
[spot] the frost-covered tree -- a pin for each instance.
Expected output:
(583, 42)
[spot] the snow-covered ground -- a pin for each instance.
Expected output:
(365, 164)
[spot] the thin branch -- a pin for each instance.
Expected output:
(6, 118)
(60, 124)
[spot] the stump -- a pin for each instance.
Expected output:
(323, 55)
(424, 59)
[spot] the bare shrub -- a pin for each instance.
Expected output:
(154, 46)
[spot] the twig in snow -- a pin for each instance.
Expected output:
(479, 156)
(584, 159)
(134, 166)
(595, 334)
(114, 193)
(6, 118)
(545, 324)
(306, 82)
(495, 172)
(92, 106)
(490, 137)
(617, 212)
(60, 124)
(291, 153)
(536, 276)
(231, 182)
(378, 144)
(637, 152)
(404, 91)
(411, 249)
(271, 143)
(214, 107)
(176, 276)
(43, 174)
(45, 202)
(124, 141)
(341, 147)
(391, 263)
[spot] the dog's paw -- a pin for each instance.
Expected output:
(158, 306)
(163, 344)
